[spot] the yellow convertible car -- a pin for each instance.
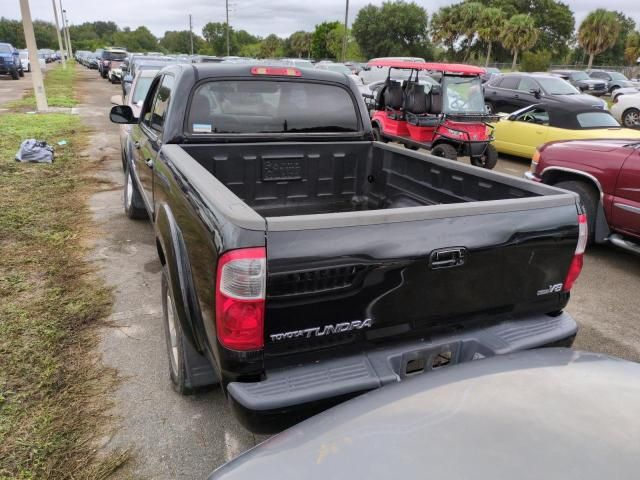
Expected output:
(522, 131)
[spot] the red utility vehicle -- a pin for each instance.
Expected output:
(606, 175)
(449, 119)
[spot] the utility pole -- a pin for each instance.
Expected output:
(65, 27)
(346, 33)
(36, 73)
(191, 33)
(227, 6)
(55, 14)
(66, 23)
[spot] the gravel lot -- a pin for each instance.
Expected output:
(13, 89)
(186, 437)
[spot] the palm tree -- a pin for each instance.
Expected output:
(598, 32)
(470, 14)
(519, 33)
(632, 48)
(444, 26)
(490, 26)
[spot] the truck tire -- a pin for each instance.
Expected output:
(377, 136)
(445, 150)
(489, 107)
(631, 118)
(487, 160)
(589, 199)
(15, 75)
(187, 368)
(21, 72)
(133, 203)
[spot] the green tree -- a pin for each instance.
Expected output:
(319, 48)
(250, 50)
(215, 34)
(445, 26)
(470, 13)
(11, 32)
(272, 46)
(535, 61)
(490, 25)
(300, 43)
(395, 28)
(598, 32)
(180, 41)
(632, 49)
(519, 33)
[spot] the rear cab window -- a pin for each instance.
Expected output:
(271, 106)
(597, 120)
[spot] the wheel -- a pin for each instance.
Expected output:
(589, 198)
(133, 203)
(21, 72)
(15, 75)
(112, 80)
(488, 159)
(445, 150)
(187, 368)
(29, 68)
(612, 89)
(377, 136)
(631, 118)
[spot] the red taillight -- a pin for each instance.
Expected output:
(284, 71)
(240, 293)
(578, 258)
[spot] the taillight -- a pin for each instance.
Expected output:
(240, 294)
(578, 257)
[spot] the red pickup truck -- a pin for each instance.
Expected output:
(606, 175)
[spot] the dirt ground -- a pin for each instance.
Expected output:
(186, 437)
(171, 436)
(13, 89)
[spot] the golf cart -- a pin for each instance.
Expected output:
(448, 118)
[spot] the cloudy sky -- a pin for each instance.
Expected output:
(259, 17)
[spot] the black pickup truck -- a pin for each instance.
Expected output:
(305, 263)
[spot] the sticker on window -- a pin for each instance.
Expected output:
(201, 128)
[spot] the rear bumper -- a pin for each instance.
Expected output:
(292, 394)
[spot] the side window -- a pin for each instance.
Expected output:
(161, 104)
(146, 117)
(495, 81)
(510, 83)
(527, 84)
(538, 116)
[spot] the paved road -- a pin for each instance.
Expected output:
(186, 437)
(172, 436)
(11, 89)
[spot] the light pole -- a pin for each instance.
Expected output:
(227, 5)
(346, 33)
(191, 33)
(65, 26)
(55, 14)
(32, 48)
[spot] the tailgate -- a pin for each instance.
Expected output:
(363, 284)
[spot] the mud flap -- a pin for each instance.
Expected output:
(199, 370)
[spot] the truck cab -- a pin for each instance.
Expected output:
(10, 61)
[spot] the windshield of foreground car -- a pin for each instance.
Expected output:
(462, 95)
(271, 106)
(142, 87)
(556, 86)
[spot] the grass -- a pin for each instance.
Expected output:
(58, 84)
(52, 387)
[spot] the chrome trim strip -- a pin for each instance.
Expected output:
(628, 208)
(577, 172)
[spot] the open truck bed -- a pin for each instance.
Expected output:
(305, 263)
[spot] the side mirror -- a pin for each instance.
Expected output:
(116, 100)
(122, 114)
(536, 92)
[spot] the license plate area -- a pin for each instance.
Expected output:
(428, 359)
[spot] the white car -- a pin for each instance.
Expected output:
(626, 110)
(24, 60)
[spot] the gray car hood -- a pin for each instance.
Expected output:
(551, 413)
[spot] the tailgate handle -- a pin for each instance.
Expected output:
(447, 258)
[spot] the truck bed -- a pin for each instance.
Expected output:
(290, 179)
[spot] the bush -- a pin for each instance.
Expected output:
(535, 61)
